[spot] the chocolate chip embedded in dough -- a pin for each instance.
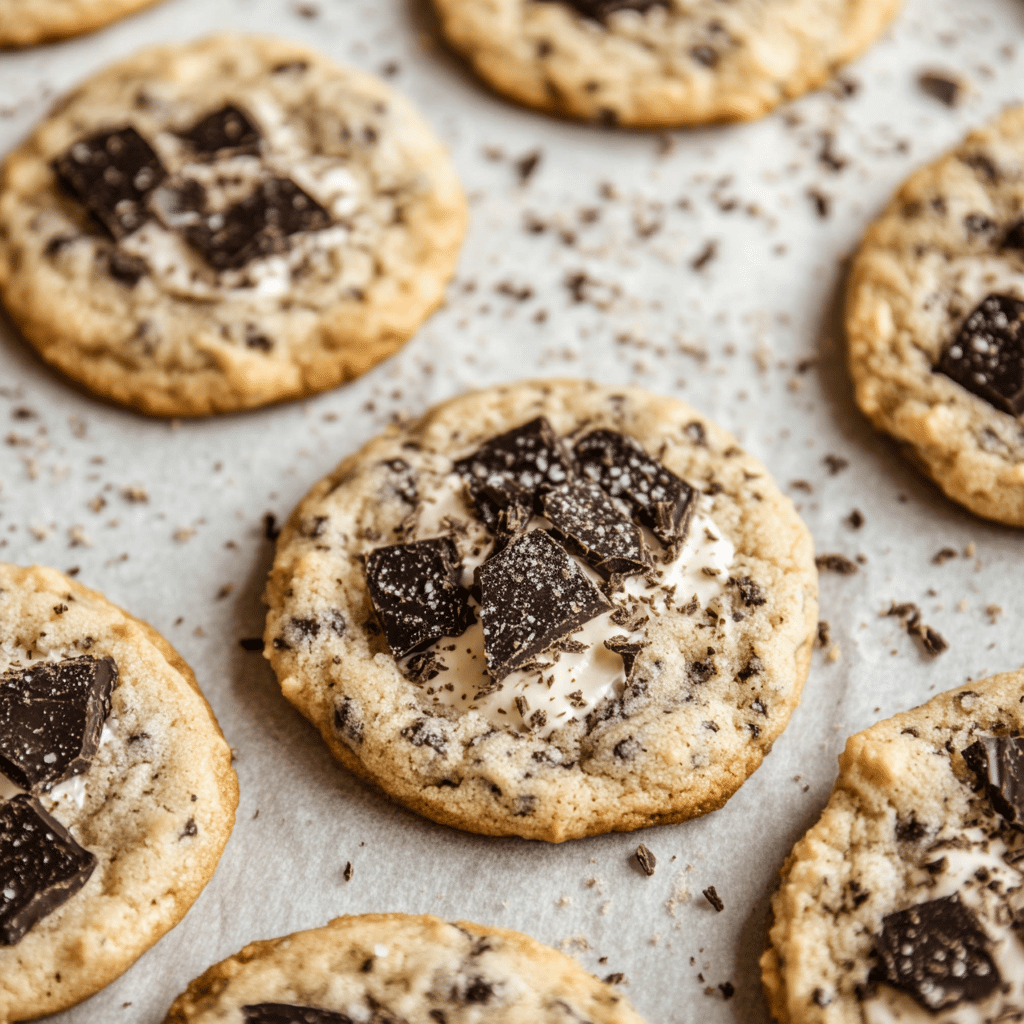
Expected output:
(226, 129)
(587, 522)
(998, 763)
(51, 719)
(658, 497)
(111, 174)
(937, 953)
(417, 594)
(532, 594)
(601, 10)
(286, 1013)
(41, 866)
(987, 355)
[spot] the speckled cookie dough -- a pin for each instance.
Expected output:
(147, 812)
(395, 969)
(217, 225)
(27, 22)
(659, 63)
(905, 902)
(934, 318)
(610, 697)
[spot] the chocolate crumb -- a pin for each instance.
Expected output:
(932, 641)
(824, 633)
(940, 557)
(705, 256)
(855, 519)
(270, 528)
(617, 978)
(836, 563)
(527, 164)
(728, 989)
(943, 87)
(347, 873)
(835, 464)
(647, 861)
(711, 895)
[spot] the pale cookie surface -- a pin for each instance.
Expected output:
(934, 362)
(27, 22)
(397, 969)
(154, 808)
(659, 693)
(647, 63)
(222, 224)
(905, 901)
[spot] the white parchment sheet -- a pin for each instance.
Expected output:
(750, 333)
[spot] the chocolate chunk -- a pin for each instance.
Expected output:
(532, 594)
(647, 861)
(987, 355)
(942, 87)
(226, 129)
(998, 763)
(51, 718)
(417, 593)
(658, 497)
(937, 953)
(257, 226)
(111, 174)
(601, 10)
(41, 866)
(504, 507)
(286, 1013)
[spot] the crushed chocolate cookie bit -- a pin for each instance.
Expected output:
(933, 642)
(836, 563)
(998, 764)
(752, 594)
(945, 88)
(287, 1013)
(616, 978)
(348, 872)
(647, 861)
(711, 895)
(226, 129)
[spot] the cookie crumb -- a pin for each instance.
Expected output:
(836, 563)
(941, 86)
(647, 861)
(728, 989)
(943, 556)
(348, 872)
(711, 895)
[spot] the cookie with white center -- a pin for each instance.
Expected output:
(659, 63)
(397, 969)
(906, 900)
(549, 609)
(116, 791)
(217, 225)
(935, 318)
(28, 22)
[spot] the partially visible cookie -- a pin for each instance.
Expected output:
(27, 22)
(935, 319)
(906, 900)
(548, 609)
(659, 63)
(216, 225)
(116, 791)
(396, 969)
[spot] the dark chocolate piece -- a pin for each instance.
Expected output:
(659, 499)
(532, 594)
(257, 226)
(286, 1013)
(601, 10)
(504, 507)
(937, 953)
(41, 866)
(111, 174)
(998, 762)
(51, 718)
(711, 895)
(587, 522)
(987, 355)
(226, 129)
(417, 593)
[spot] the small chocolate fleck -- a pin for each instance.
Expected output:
(728, 989)
(836, 563)
(647, 861)
(942, 87)
(835, 464)
(711, 895)
(251, 643)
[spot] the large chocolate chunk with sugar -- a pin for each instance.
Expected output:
(41, 866)
(258, 226)
(111, 174)
(532, 594)
(658, 497)
(587, 522)
(226, 129)
(937, 953)
(987, 355)
(998, 762)
(600, 10)
(51, 719)
(417, 593)
(286, 1013)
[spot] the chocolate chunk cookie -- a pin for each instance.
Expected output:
(27, 22)
(659, 63)
(116, 791)
(549, 609)
(217, 225)
(395, 969)
(906, 900)
(935, 318)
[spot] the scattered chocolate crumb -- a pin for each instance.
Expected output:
(822, 203)
(135, 493)
(270, 528)
(943, 556)
(527, 164)
(347, 873)
(945, 88)
(835, 464)
(728, 989)
(711, 895)
(824, 633)
(836, 563)
(647, 861)
(932, 641)
(801, 485)
(855, 520)
(618, 978)
(993, 611)
(225, 591)
(705, 256)
(251, 643)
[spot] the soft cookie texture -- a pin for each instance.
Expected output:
(650, 64)
(400, 970)
(27, 22)
(217, 225)
(904, 901)
(936, 351)
(157, 804)
(663, 722)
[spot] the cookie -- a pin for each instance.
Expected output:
(934, 318)
(548, 609)
(660, 63)
(397, 969)
(217, 225)
(906, 900)
(27, 22)
(116, 791)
